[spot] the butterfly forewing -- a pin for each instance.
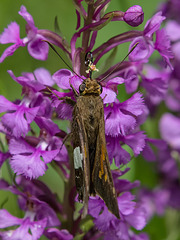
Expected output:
(101, 175)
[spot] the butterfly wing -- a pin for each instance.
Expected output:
(81, 159)
(101, 175)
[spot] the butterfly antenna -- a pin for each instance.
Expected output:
(53, 48)
(132, 49)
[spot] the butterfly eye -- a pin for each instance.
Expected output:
(82, 87)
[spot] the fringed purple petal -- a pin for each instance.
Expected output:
(133, 105)
(30, 166)
(11, 34)
(117, 123)
(19, 122)
(27, 79)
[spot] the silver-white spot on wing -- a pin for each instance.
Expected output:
(78, 157)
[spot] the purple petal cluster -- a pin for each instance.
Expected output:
(130, 215)
(18, 117)
(165, 152)
(40, 207)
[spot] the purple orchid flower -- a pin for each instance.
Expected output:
(33, 84)
(170, 9)
(146, 45)
(155, 83)
(26, 159)
(170, 132)
(121, 118)
(135, 141)
(163, 46)
(19, 117)
(38, 202)
(25, 224)
(155, 202)
(35, 81)
(148, 152)
(36, 47)
(109, 224)
(11, 35)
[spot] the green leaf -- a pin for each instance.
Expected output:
(56, 26)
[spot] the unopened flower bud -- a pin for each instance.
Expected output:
(134, 16)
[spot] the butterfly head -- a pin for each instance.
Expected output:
(90, 87)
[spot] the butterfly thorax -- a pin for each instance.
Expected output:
(90, 87)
